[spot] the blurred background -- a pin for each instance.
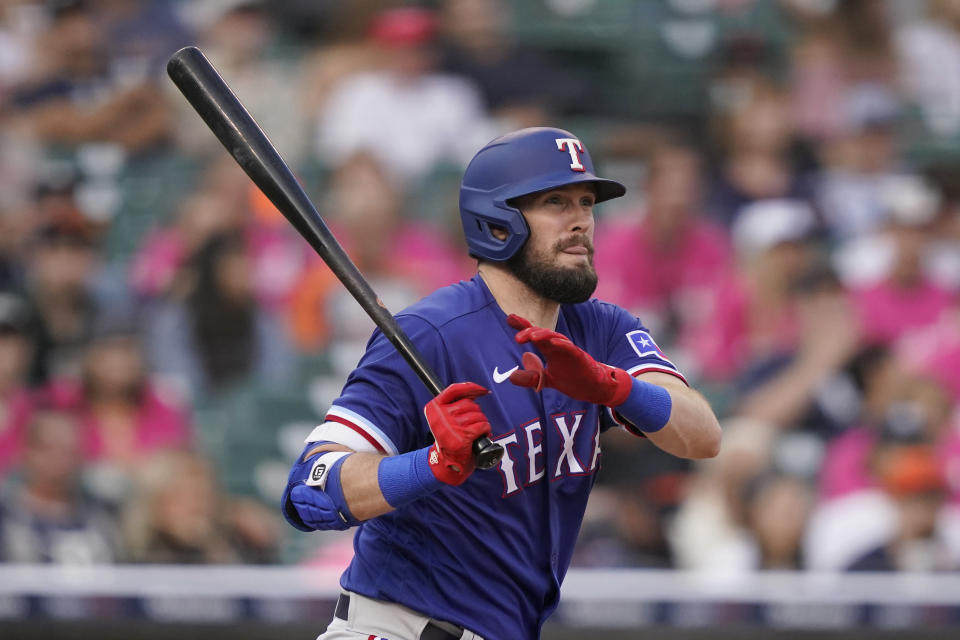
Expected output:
(791, 235)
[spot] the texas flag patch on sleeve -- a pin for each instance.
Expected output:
(644, 345)
(653, 358)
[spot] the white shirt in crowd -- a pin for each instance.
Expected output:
(409, 125)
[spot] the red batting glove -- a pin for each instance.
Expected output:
(570, 370)
(456, 421)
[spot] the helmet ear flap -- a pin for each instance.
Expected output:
(494, 233)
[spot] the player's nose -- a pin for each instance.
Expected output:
(582, 219)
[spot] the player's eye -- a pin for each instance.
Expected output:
(588, 201)
(553, 200)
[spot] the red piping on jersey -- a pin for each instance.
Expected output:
(660, 369)
(347, 423)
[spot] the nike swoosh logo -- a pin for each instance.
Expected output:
(500, 377)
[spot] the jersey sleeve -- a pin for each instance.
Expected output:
(630, 347)
(380, 408)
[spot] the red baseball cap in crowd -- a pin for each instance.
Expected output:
(405, 26)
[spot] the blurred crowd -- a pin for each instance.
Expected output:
(791, 236)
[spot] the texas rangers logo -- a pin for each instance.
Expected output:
(574, 147)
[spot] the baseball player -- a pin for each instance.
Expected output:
(441, 551)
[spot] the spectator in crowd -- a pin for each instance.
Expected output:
(427, 117)
(519, 86)
(777, 506)
(839, 46)
(402, 258)
(748, 509)
(47, 197)
(897, 402)
(667, 262)
(914, 482)
(877, 378)
(756, 323)
(343, 50)
(934, 350)
(163, 253)
(640, 489)
(11, 250)
(15, 356)
(622, 528)
(757, 156)
(905, 297)
(211, 334)
(58, 199)
(72, 99)
(861, 164)
(239, 38)
(178, 514)
(943, 263)
(709, 531)
(62, 264)
(819, 80)
(45, 515)
(792, 384)
(855, 513)
(124, 415)
(225, 201)
(928, 53)
(17, 35)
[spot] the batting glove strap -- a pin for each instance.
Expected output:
(407, 477)
(647, 407)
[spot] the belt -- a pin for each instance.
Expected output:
(432, 631)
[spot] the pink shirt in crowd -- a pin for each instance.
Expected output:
(886, 311)
(160, 424)
(934, 351)
(695, 276)
(422, 255)
(638, 273)
(277, 259)
(845, 467)
(15, 411)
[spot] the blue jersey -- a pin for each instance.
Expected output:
(490, 554)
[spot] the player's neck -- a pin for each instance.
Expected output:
(513, 296)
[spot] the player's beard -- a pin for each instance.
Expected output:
(566, 285)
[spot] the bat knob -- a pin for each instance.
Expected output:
(486, 453)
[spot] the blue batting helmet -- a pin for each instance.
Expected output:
(514, 165)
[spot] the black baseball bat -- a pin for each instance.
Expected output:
(236, 129)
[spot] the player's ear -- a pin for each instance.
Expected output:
(500, 233)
